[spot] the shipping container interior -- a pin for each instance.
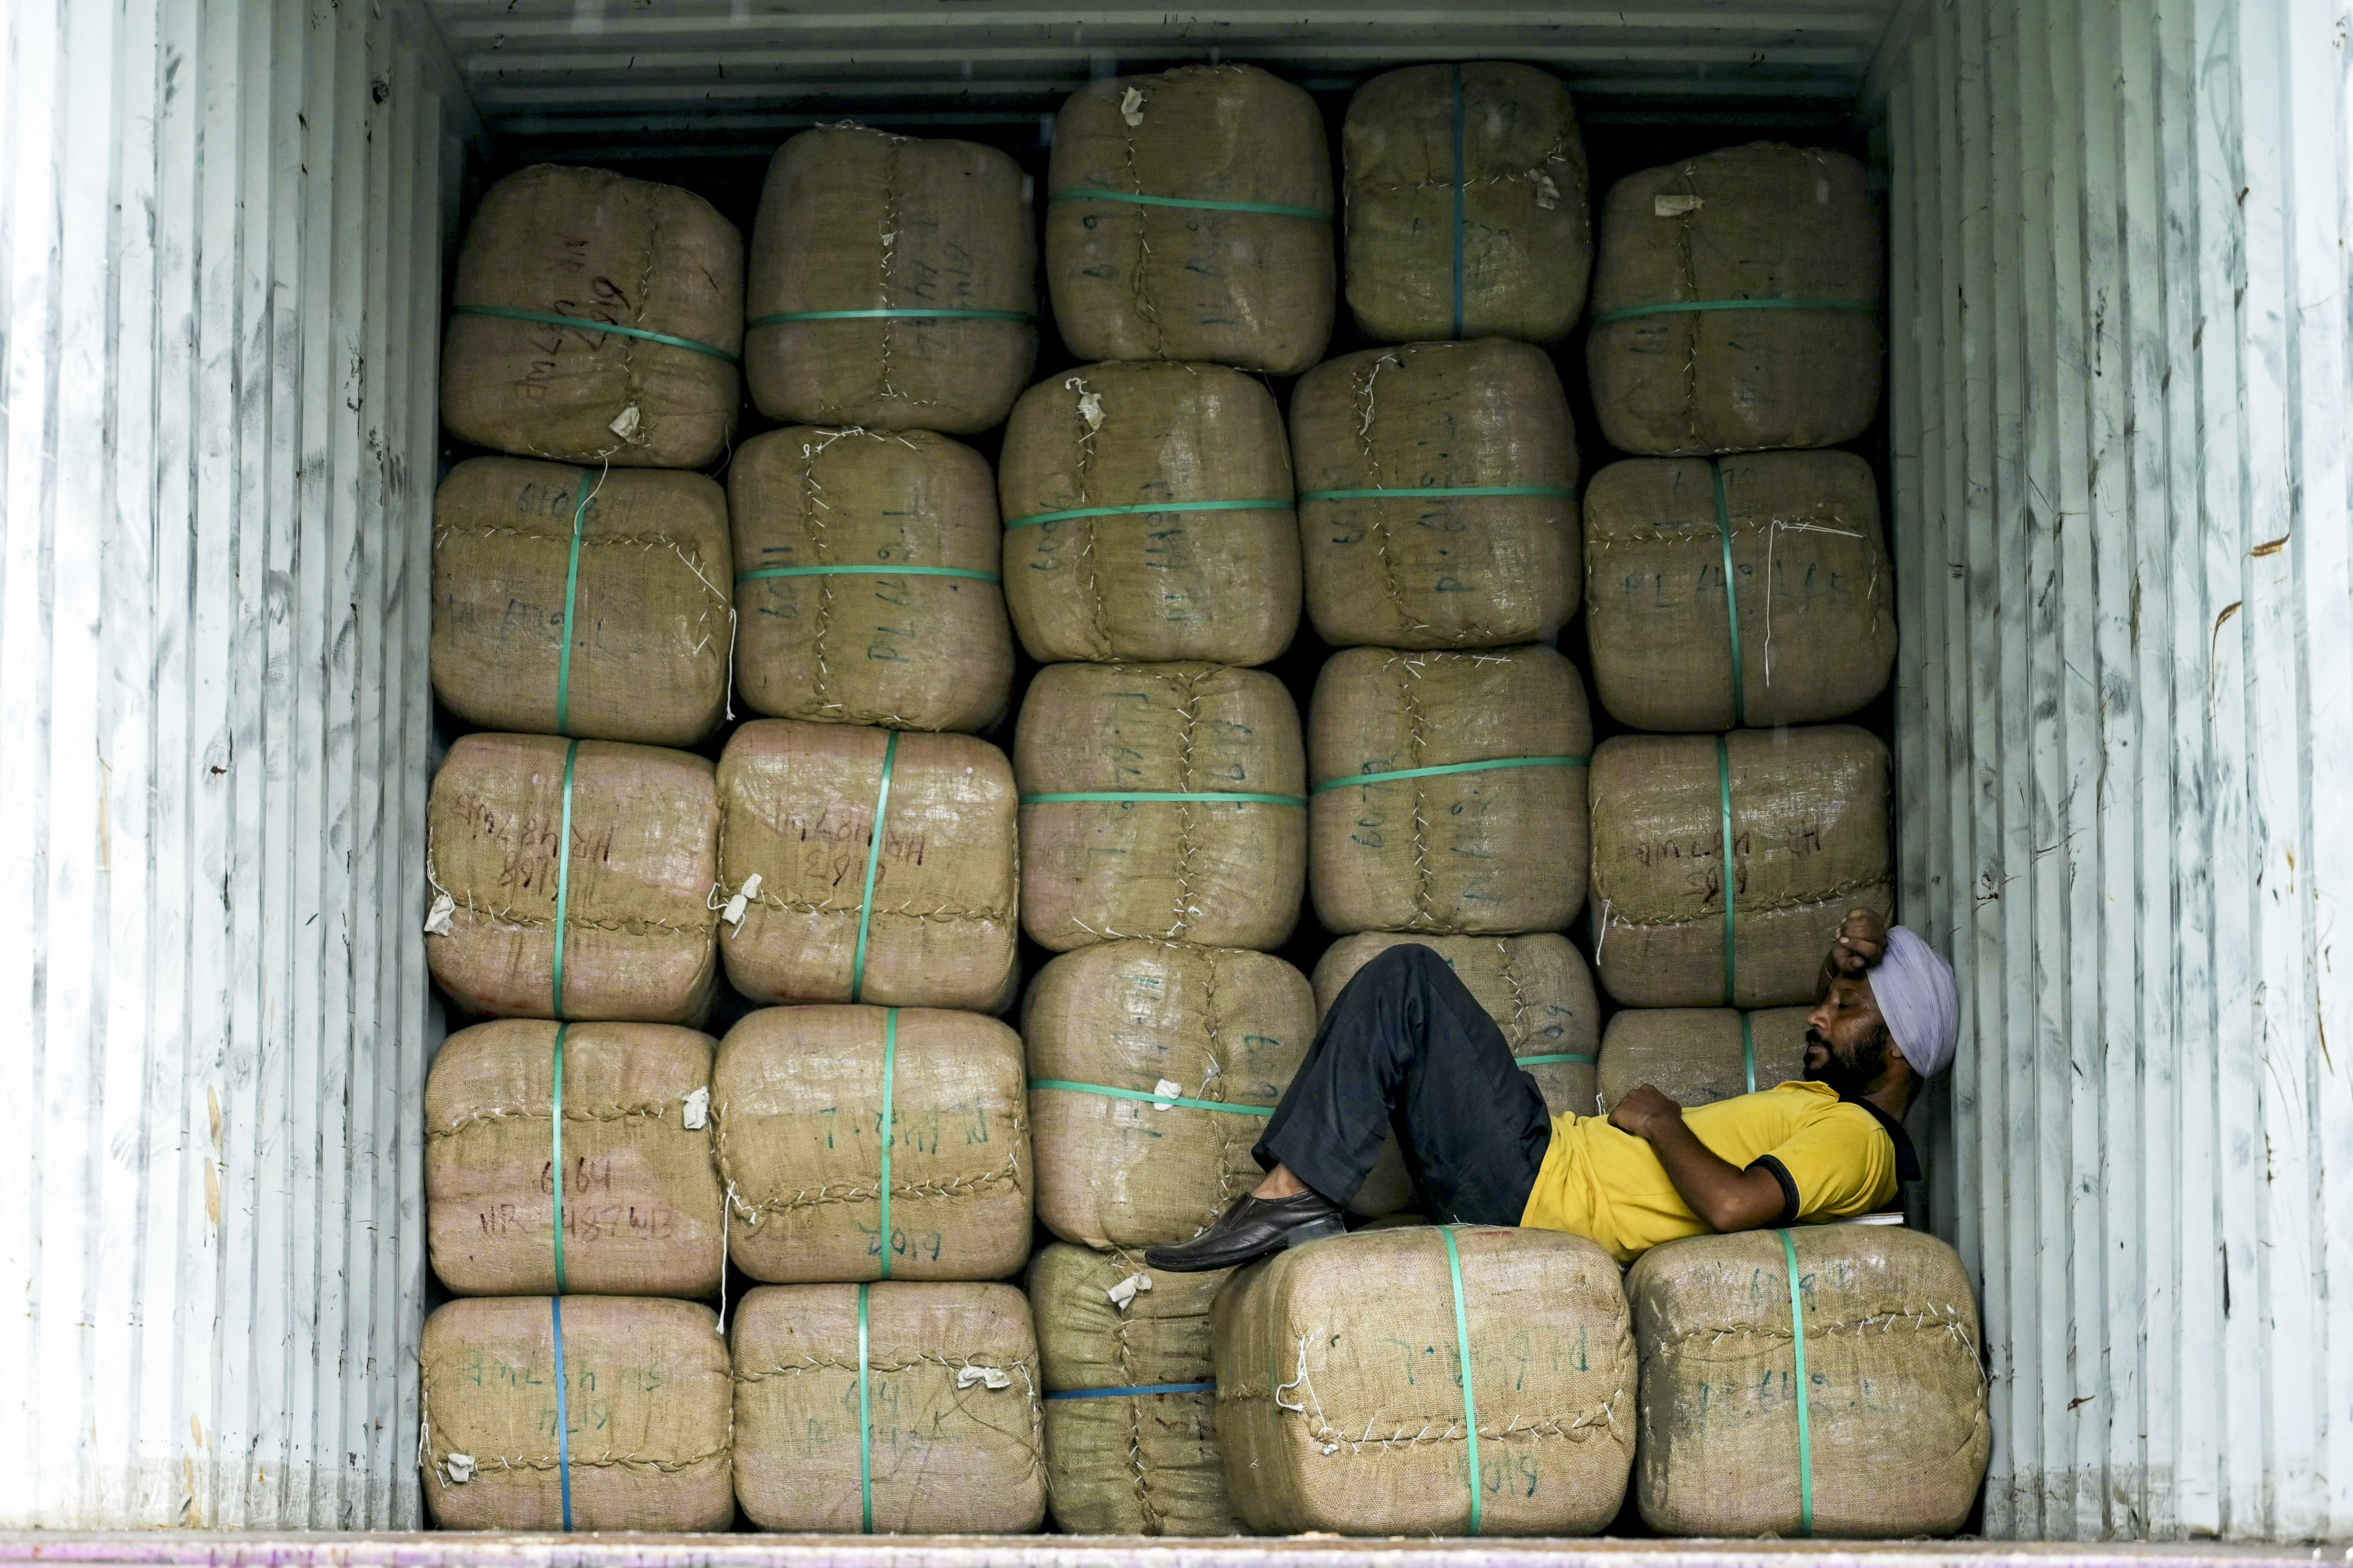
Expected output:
(2115, 489)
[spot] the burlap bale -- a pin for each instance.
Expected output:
(1895, 1393)
(647, 606)
(595, 246)
(1119, 582)
(1219, 873)
(1142, 281)
(910, 649)
(1478, 166)
(1759, 222)
(1498, 849)
(1340, 1385)
(798, 1096)
(1809, 839)
(1814, 590)
(646, 1395)
(950, 1440)
(1223, 1024)
(852, 219)
(640, 1193)
(1697, 1055)
(1421, 570)
(799, 804)
(1128, 1463)
(637, 939)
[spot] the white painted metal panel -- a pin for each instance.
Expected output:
(221, 231)
(2124, 525)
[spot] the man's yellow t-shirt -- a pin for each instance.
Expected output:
(1834, 1158)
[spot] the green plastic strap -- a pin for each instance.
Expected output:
(1140, 200)
(1730, 599)
(780, 318)
(562, 1410)
(1352, 779)
(563, 874)
(865, 1424)
(1804, 1416)
(1748, 1050)
(1724, 784)
(555, 1161)
(875, 571)
(890, 1071)
(1156, 508)
(1038, 1083)
(873, 869)
(1605, 317)
(571, 605)
(1383, 493)
(1064, 797)
(1560, 1056)
(1457, 71)
(587, 325)
(1463, 1349)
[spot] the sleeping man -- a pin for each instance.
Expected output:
(1406, 1047)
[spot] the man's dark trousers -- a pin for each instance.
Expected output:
(1407, 1047)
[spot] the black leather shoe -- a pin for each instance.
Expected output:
(1250, 1229)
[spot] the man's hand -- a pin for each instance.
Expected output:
(1861, 941)
(1641, 1112)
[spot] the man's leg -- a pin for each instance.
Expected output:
(1407, 1047)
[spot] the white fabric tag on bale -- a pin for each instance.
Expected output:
(625, 424)
(698, 1110)
(462, 1468)
(438, 917)
(742, 901)
(1168, 1089)
(1090, 404)
(1124, 1291)
(1673, 206)
(1130, 106)
(985, 1376)
(1547, 194)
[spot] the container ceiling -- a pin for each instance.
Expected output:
(610, 79)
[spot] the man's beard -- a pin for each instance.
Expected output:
(1849, 1072)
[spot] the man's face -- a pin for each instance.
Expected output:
(1846, 1039)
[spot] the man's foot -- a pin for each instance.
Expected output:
(1250, 1229)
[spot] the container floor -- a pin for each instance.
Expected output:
(436, 1550)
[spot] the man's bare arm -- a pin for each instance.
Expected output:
(1719, 1192)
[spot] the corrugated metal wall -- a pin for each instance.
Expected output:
(2121, 335)
(220, 237)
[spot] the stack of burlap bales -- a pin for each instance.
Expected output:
(1152, 563)
(582, 616)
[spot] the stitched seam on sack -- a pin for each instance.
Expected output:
(943, 914)
(1405, 619)
(507, 917)
(614, 1113)
(1618, 921)
(1226, 1125)
(851, 1192)
(813, 530)
(1190, 696)
(1424, 877)
(1147, 313)
(1519, 997)
(824, 1363)
(1098, 611)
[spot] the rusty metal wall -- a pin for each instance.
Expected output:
(220, 246)
(2121, 333)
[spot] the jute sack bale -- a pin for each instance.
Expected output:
(1808, 823)
(1463, 849)
(894, 283)
(1165, 278)
(1697, 1055)
(872, 1143)
(1343, 1403)
(1475, 544)
(1812, 594)
(1224, 1026)
(644, 1391)
(1219, 872)
(886, 866)
(1466, 204)
(621, 638)
(614, 923)
(1132, 1401)
(1148, 516)
(889, 1408)
(639, 1198)
(1761, 222)
(867, 575)
(1894, 1391)
(595, 249)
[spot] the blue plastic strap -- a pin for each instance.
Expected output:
(555, 1158)
(564, 876)
(585, 324)
(1146, 1388)
(1748, 1050)
(780, 318)
(572, 603)
(562, 1412)
(1730, 599)
(873, 869)
(1804, 1390)
(1462, 1350)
